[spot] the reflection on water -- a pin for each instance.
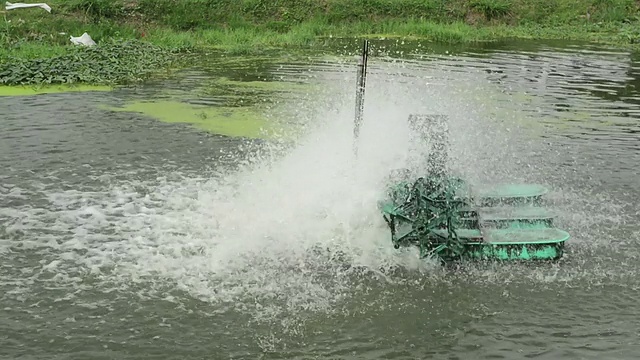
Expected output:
(126, 236)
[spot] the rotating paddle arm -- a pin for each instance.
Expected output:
(429, 213)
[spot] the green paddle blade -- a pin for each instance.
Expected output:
(509, 194)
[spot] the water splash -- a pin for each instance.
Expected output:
(285, 232)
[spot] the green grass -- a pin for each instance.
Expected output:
(250, 26)
(251, 40)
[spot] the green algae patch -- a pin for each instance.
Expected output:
(279, 86)
(248, 93)
(50, 89)
(231, 121)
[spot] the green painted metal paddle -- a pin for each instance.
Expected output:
(450, 227)
(449, 219)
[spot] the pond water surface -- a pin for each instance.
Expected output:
(125, 237)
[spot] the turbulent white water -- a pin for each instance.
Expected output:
(285, 233)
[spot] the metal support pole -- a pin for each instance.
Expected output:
(361, 78)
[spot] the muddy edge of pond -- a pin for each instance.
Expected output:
(243, 27)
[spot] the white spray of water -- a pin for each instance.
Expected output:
(284, 233)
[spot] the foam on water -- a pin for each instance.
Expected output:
(291, 232)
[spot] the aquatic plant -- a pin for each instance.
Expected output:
(248, 122)
(114, 62)
(255, 26)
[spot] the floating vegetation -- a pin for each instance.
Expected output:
(224, 120)
(110, 63)
(21, 90)
(247, 93)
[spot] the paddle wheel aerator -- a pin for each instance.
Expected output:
(447, 218)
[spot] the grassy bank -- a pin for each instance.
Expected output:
(244, 26)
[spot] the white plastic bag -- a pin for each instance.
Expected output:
(85, 40)
(10, 6)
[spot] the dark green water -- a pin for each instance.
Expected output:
(122, 237)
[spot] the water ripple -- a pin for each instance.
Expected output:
(125, 236)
